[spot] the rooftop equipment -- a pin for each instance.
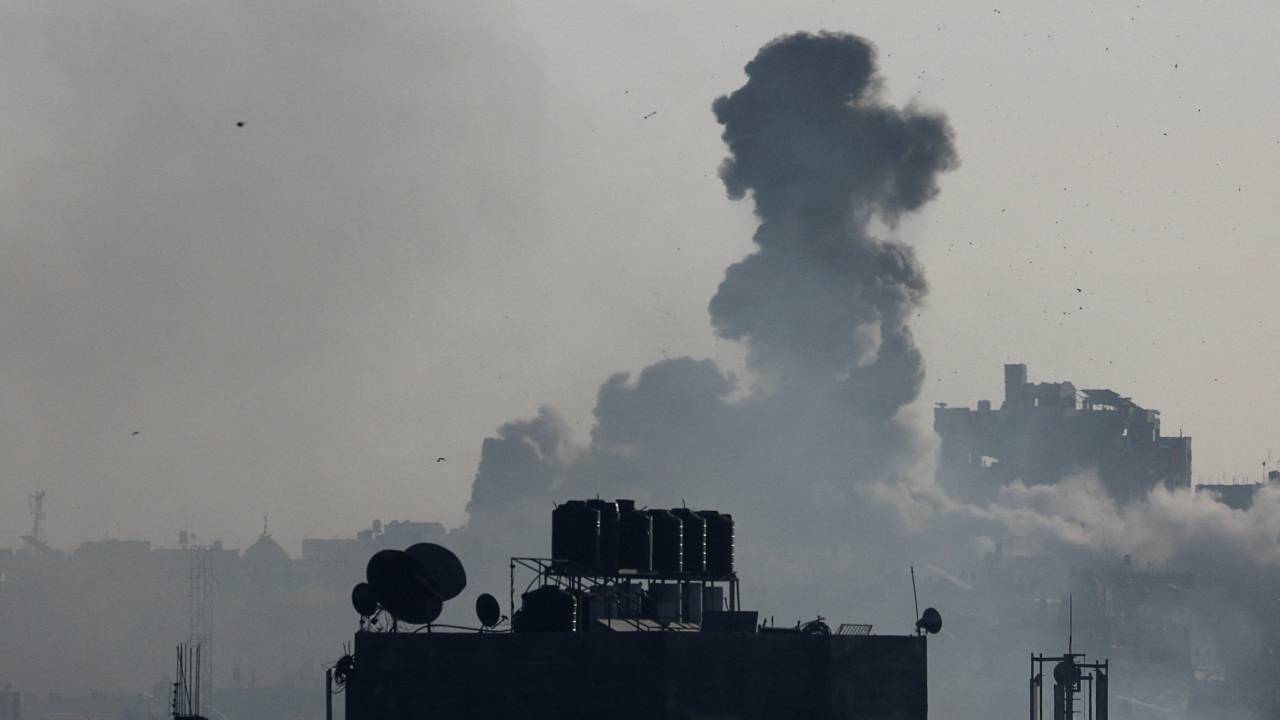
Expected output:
(694, 537)
(629, 567)
(410, 586)
(635, 539)
(547, 609)
(364, 599)
(1076, 683)
(720, 543)
(488, 612)
(444, 571)
(575, 536)
(668, 542)
(930, 621)
(1080, 688)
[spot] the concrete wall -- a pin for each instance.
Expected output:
(638, 675)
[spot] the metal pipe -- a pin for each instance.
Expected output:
(1090, 679)
(328, 694)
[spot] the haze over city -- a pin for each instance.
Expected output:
(940, 288)
(439, 217)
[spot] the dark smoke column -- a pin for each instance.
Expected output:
(823, 301)
(823, 308)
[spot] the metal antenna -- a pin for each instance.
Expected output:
(1071, 621)
(37, 514)
(914, 598)
(35, 540)
(199, 600)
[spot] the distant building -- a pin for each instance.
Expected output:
(1238, 496)
(398, 534)
(1045, 431)
(10, 705)
(265, 552)
(104, 615)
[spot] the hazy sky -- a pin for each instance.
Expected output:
(438, 217)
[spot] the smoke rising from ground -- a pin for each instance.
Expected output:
(822, 306)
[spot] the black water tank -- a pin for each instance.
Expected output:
(719, 543)
(668, 542)
(635, 538)
(694, 529)
(608, 564)
(548, 609)
(575, 536)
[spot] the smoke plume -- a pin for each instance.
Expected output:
(822, 155)
(822, 307)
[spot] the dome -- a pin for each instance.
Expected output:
(265, 551)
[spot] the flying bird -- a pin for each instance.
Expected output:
(136, 432)
(646, 117)
(440, 460)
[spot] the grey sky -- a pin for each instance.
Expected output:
(438, 217)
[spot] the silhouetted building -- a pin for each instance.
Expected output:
(640, 675)
(637, 615)
(1237, 496)
(1043, 432)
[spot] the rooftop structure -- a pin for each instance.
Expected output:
(1238, 496)
(637, 614)
(640, 675)
(1045, 431)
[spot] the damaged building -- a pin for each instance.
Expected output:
(1237, 495)
(1045, 431)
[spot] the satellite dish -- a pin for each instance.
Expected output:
(443, 568)
(816, 627)
(364, 599)
(1066, 672)
(402, 587)
(419, 606)
(488, 610)
(930, 621)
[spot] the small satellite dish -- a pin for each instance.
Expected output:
(930, 621)
(488, 610)
(402, 587)
(364, 599)
(443, 568)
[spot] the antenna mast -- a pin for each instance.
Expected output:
(915, 599)
(35, 541)
(199, 591)
(1071, 621)
(186, 700)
